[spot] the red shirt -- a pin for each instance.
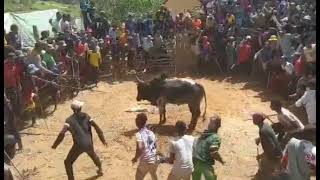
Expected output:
(244, 52)
(80, 49)
(11, 75)
(298, 66)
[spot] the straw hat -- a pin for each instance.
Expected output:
(273, 38)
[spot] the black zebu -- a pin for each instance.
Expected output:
(161, 91)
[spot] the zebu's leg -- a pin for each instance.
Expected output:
(162, 109)
(195, 111)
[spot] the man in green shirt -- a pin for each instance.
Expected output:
(48, 60)
(205, 151)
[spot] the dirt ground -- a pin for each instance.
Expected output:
(232, 99)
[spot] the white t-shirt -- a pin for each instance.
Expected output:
(309, 101)
(148, 140)
(57, 24)
(147, 44)
(182, 148)
(287, 118)
(288, 67)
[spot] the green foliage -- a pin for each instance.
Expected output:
(35, 5)
(118, 10)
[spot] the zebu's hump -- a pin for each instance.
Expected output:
(192, 82)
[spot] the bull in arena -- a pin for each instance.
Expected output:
(161, 91)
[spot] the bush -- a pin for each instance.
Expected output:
(118, 10)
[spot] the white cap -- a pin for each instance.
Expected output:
(77, 104)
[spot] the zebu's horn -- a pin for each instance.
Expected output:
(139, 80)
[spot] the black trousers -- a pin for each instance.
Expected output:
(85, 19)
(73, 155)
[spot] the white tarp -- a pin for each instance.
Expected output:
(26, 21)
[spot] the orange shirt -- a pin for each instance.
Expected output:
(123, 39)
(197, 23)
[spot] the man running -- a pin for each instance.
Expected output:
(79, 124)
(181, 154)
(145, 150)
(205, 151)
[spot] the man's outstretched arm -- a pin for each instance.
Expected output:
(99, 132)
(60, 136)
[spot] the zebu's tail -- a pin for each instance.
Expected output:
(205, 100)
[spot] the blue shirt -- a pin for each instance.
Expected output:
(84, 5)
(148, 26)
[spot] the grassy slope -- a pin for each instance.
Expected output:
(73, 9)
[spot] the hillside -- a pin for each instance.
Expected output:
(34, 5)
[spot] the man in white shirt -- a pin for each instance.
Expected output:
(299, 159)
(145, 150)
(288, 122)
(181, 154)
(308, 100)
(287, 66)
(147, 43)
(56, 23)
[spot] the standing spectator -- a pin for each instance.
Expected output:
(309, 55)
(48, 59)
(245, 55)
(231, 53)
(84, 6)
(95, 61)
(145, 150)
(56, 23)
(65, 24)
(14, 38)
(181, 154)
(269, 160)
(285, 42)
(205, 151)
(148, 25)
(130, 24)
(12, 76)
(308, 100)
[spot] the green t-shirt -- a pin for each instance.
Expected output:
(49, 61)
(203, 144)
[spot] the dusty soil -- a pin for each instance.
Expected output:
(232, 99)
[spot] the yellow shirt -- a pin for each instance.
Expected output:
(231, 19)
(94, 59)
(5, 41)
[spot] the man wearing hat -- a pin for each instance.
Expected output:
(205, 151)
(79, 124)
(269, 160)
